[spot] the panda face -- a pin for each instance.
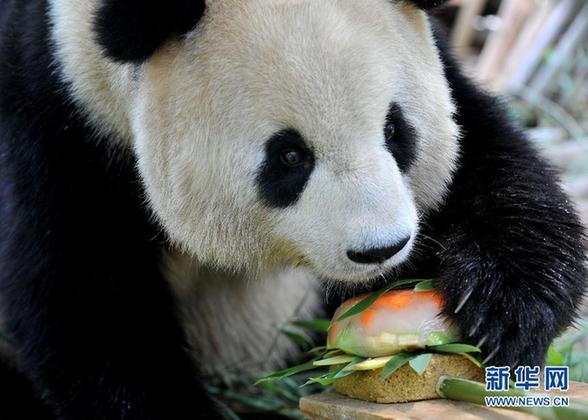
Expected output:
(296, 133)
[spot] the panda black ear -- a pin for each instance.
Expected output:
(428, 4)
(132, 30)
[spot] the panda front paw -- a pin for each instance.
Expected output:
(511, 327)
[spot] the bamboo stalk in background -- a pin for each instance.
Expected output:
(576, 34)
(513, 14)
(525, 41)
(462, 33)
(553, 26)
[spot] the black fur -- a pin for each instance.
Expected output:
(510, 238)
(428, 4)
(402, 143)
(17, 399)
(81, 293)
(278, 184)
(132, 30)
(89, 313)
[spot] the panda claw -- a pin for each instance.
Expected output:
(490, 356)
(474, 329)
(463, 300)
(482, 341)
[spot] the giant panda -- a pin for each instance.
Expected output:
(178, 177)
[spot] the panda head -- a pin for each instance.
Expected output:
(277, 133)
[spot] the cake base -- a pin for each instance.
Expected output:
(405, 384)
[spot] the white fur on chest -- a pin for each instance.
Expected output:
(231, 321)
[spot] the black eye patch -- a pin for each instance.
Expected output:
(401, 138)
(286, 169)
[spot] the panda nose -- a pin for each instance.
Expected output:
(377, 255)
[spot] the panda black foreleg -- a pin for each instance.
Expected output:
(512, 287)
(83, 301)
(512, 265)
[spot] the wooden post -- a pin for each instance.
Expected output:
(525, 41)
(577, 33)
(556, 20)
(461, 36)
(513, 14)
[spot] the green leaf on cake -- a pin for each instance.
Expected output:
(348, 370)
(424, 286)
(455, 348)
(287, 372)
(336, 360)
(395, 363)
(420, 363)
(321, 325)
(366, 302)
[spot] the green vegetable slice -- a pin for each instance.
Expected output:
(437, 339)
(336, 360)
(420, 363)
(395, 363)
(372, 363)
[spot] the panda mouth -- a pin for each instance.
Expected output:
(342, 267)
(336, 286)
(347, 271)
(376, 273)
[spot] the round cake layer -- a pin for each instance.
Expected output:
(405, 384)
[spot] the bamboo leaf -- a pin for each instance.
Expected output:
(420, 363)
(455, 348)
(425, 286)
(336, 360)
(372, 363)
(395, 363)
(362, 305)
(319, 350)
(287, 372)
(472, 359)
(348, 370)
(366, 302)
(333, 353)
(321, 325)
(298, 337)
(324, 380)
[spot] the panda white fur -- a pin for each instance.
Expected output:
(178, 178)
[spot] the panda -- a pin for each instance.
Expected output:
(178, 177)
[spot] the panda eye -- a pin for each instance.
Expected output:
(287, 167)
(389, 130)
(401, 137)
(292, 157)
